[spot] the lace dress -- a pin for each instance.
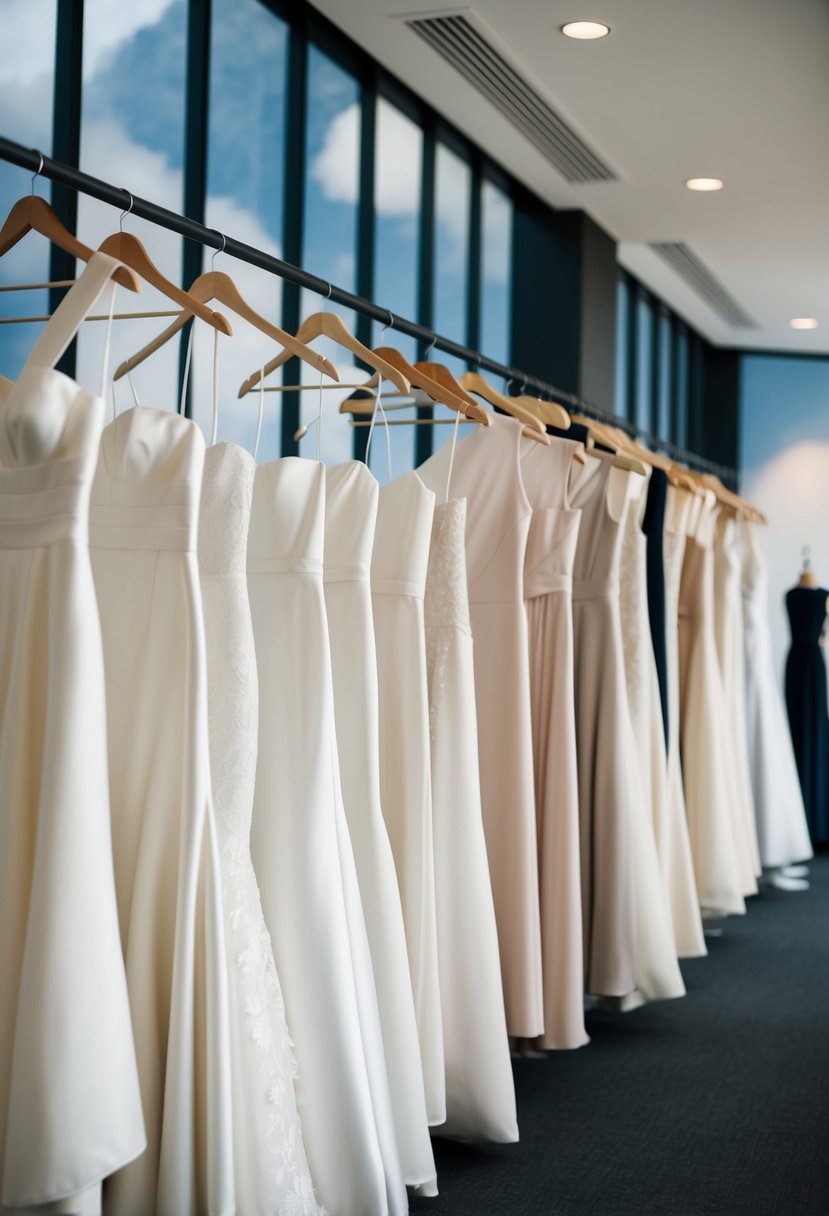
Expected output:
(480, 1096)
(271, 1169)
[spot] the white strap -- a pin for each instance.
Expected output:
(214, 426)
(105, 363)
(378, 405)
(186, 376)
(72, 311)
(261, 411)
(452, 452)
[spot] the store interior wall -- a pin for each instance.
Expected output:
(784, 457)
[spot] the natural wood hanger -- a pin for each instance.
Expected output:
(550, 413)
(330, 325)
(439, 391)
(33, 214)
(128, 249)
(216, 285)
(473, 382)
(603, 434)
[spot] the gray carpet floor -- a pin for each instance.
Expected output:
(713, 1105)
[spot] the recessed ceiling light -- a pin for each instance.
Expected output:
(704, 183)
(585, 30)
(803, 323)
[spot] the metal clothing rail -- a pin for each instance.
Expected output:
(85, 183)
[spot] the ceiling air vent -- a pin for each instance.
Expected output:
(459, 42)
(691, 269)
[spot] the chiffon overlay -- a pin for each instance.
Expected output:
(70, 1109)
(298, 842)
(705, 736)
(674, 843)
(270, 1167)
(806, 703)
(603, 741)
(145, 501)
(480, 1095)
(782, 831)
(548, 586)
(486, 471)
(350, 517)
(398, 578)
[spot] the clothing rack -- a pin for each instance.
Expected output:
(116, 196)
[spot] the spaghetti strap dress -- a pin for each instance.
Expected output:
(70, 1106)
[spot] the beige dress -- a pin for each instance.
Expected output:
(704, 734)
(548, 585)
(728, 630)
(603, 733)
(674, 844)
(487, 473)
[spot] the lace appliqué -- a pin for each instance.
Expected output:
(446, 599)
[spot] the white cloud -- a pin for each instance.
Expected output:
(793, 491)
(336, 167)
(115, 22)
(28, 41)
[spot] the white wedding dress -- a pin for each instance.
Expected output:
(270, 1166)
(143, 529)
(70, 1108)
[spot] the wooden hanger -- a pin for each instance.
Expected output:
(216, 285)
(128, 249)
(473, 382)
(677, 476)
(330, 325)
(440, 392)
(33, 214)
(603, 434)
(550, 413)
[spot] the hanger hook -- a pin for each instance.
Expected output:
(432, 344)
(216, 252)
(327, 296)
(127, 211)
(39, 169)
(523, 387)
(389, 324)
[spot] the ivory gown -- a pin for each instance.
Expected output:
(398, 578)
(487, 472)
(674, 843)
(548, 586)
(350, 516)
(270, 1166)
(144, 518)
(480, 1094)
(70, 1107)
(706, 767)
(302, 855)
(782, 831)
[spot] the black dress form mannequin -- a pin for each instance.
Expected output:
(806, 699)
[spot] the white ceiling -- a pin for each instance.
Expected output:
(737, 89)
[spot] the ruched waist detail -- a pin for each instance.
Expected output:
(595, 588)
(397, 586)
(360, 572)
(34, 513)
(284, 565)
(544, 584)
(118, 527)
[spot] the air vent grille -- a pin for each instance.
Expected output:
(464, 46)
(687, 264)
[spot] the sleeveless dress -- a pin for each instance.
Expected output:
(704, 736)
(728, 627)
(70, 1108)
(298, 844)
(350, 515)
(271, 1169)
(548, 586)
(674, 844)
(806, 703)
(603, 742)
(398, 577)
(145, 501)
(653, 525)
(480, 1094)
(782, 831)
(657, 970)
(486, 471)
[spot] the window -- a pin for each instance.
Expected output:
(332, 184)
(453, 192)
(132, 134)
(496, 268)
(644, 337)
(397, 187)
(26, 96)
(245, 196)
(663, 409)
(622, 322)
(682, 369)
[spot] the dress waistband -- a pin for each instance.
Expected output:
(594, 588)
(359, 572)
(284, 565)
(545, 583)
(34, 514)
(138, 527)
(397, 586)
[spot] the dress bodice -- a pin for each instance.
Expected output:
(554, 526)
(148, 482)
(447, 599)
(806, 607)
(224, 513)
(287, 517)
(400, 556)
(601, 494)
(351, 499)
